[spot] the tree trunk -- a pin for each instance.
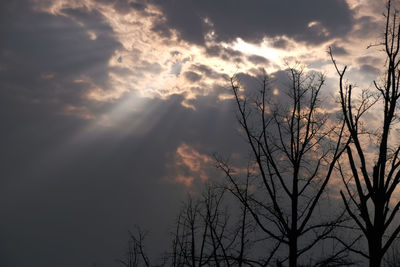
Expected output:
(375, 250)
(375, 258)
(293, 233)
(293, 252)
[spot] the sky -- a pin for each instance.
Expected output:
(111, 111)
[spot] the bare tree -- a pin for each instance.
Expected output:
(207, 235)
(294, 149)
(370, 201)
(136, 253)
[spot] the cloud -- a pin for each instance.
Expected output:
(71, 193)
(159, 44)
(208, 71)
(252, 21)
(369, 69)
(280, 43)
(185, 180)
(373, 60)
(155, 59)
(258, 60)
(61, 64)
(191, 158)
(192, 76)
(338, 50)
(190, 165)
(367, 27)
(154, 64)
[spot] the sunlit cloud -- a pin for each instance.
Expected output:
(155, 62)
(185, 180)
(189, 165)
(155, 65)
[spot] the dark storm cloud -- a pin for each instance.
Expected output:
(253, 20)
(69, 192)
(69, 203)
(43, 54)
(56, 211)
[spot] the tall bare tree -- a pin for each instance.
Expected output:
(294, 148)
(370, 202)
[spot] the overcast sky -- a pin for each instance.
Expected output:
(111, 110)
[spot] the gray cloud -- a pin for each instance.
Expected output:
(124, 6)
(214, 50)
(209, 72)
(337, 49)
(227, 54)
(69, 192)
(161, 28)
(370, 60)
(369, 69)
(252, 21)
(192, 76)
(258, 60)
(367, 27)
(69, 203)
(50, 53)
(280, 43)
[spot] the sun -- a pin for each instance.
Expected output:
(263, 49)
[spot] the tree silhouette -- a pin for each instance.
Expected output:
(136, 255)
(294, 147)
(370, 202)
(207, 234)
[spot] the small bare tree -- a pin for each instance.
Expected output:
(136, 254)
(294, 148)
(207, 235)
(370, 202)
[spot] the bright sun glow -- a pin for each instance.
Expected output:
(261, 50)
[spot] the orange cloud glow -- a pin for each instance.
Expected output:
(189, 166)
